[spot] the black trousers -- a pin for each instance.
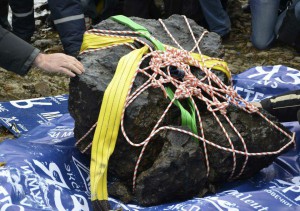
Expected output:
(141, 8)
(23, 23)
(3, 14)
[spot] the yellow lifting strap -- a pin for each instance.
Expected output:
(109, 121)
(93, 41)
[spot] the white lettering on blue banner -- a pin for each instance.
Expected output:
(30, 103)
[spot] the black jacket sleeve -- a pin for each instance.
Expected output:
(285, 106)
(68, 19)
(15, 54)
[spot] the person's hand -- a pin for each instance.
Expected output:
(59, 63)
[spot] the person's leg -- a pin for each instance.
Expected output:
(154, 11)
(216, 16)
(23, 24)
(283, 14)
(3, 14)
(68, 19)
(297, 44)
(172, 7)
(264, 17)
(279, 22)
(137, 8)
(287, 26)
(110, 7)
(297, 11)
(89, 8)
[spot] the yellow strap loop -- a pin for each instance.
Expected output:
(211, 63)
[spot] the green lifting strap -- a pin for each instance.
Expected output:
(136, 27)
(187, 118)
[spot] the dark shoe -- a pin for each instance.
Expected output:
(246, 8)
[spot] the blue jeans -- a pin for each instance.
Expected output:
(216, 17)
(265, 22)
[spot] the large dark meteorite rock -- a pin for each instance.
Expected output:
(173, 166)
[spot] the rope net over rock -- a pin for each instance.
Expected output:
(171, 70)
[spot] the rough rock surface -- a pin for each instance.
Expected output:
(100, 67)
(173, 166)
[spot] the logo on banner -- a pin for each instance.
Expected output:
(11, 123)
(61, 132)
(221, 204)
(8, 121)
(269, 76)
(196, 205)
(2, 108)
(85, 175)
(59, 98)
(48, 116)
(29, 103)
(241, 197)
(260, 82)
(47, 191)
(286, 192)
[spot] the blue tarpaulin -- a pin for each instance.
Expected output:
(44, 171)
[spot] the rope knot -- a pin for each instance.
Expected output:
(158, 83)
(218, 106)
(196, 92)
(191, 80)
(182, 92)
